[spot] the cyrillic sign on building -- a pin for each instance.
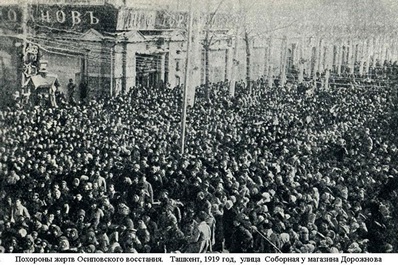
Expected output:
(72, 2)
(11, 17)
(76, 18)
(135, 19)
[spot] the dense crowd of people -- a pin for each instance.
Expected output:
(282, 170)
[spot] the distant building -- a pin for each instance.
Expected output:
(114, 47)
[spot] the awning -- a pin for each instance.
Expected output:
(44, 82)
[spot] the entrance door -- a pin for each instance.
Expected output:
(148, 70)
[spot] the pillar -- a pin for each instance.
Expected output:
(339, 57)
(352, 56)
(162, 61)
(228, 63)
(320, 56)
(118, 69)
(131, 66)
(301, 61)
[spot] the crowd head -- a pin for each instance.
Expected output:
(275, 171)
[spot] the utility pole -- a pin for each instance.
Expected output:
(112, 71)
(234, 63)
(24, 26)
(186, 82)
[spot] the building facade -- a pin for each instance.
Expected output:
(113, 47)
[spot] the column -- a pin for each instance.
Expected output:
(374, 51)
(393, 50)
(352, 56)
(320, 56)
(268, 66)
(368, 56)
(228, 62)
(265, 73)
(283, 61)
(268, 60)
(270, 75)
(362, 57)
(301, 61)
(325, 61)
(162, 61)
(339, 57)
(382, 50)
(130, 72)
(118, 69)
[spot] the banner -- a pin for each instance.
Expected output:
(31, 60)
(204, 259)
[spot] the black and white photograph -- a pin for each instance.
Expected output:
(187, 126)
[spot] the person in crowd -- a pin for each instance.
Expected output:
(71, 87)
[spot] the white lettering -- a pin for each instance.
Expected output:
(12, 15)
(60, 15)
(93, 19)
(76, 18)
(45, 16)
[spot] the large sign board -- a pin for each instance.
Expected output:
(78, 18)
(72, 2)
(75, 18)
(171, 20)
(135, 19)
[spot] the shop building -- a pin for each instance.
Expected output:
(112, 48)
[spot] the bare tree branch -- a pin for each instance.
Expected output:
(210, 22)
(274, 29)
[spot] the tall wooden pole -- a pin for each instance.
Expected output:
(186, 82)
(25, 15)
(112, 71)
(234, 64)
(269, 63)
(339, 57)
(368, 56)
(283, 61)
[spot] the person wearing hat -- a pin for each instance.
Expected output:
(36, 204)
(173, 238)
(200, 240)
(103, 238)
(96, 214)
(81, 221)
(142, 233)
(71, 87)
(19, 211)
(128, 237)
(242, 238)
(55, 233)
(64, 246)
(73, 238)
(89, 238)
(230, 214)
(354, 248)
